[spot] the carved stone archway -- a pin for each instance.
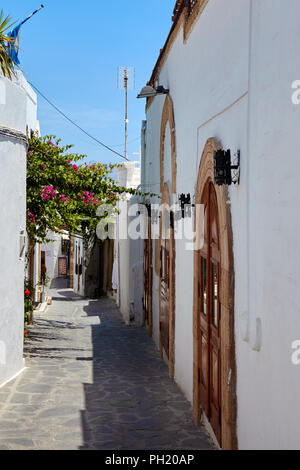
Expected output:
(228, 364)
(168, 118)
(167, 190)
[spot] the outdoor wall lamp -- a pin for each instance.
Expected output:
(186, 205)
(148, 91)
(223, 168)
(148, 207)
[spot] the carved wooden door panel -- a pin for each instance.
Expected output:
(209, 312)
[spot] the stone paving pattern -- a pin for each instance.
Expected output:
(94, 383)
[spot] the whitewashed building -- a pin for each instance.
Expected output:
(128, 259)
(226, 317)
(18, 105)
(55, 256)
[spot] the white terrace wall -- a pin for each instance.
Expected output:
(53, 251)
(17, 109)
(232, 80)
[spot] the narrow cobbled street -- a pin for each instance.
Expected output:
(91, 382)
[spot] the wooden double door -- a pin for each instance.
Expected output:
(209, 313)
(167, 283)
(148, 278)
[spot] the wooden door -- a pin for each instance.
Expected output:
(209, 313)
(147, 298)
(62, 266)
(165, 269)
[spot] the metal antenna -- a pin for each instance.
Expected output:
(126, 81)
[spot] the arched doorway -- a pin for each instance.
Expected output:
(214, 348)
(208, 260)
(148, 278)
(167, 282)
(166, 244)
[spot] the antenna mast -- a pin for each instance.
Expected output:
(126, 110)
(126, 81)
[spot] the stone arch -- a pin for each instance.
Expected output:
(168, 117)
(228, 364)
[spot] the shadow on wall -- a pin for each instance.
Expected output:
(98, 271)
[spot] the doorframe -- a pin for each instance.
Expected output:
(228, 361)
(168, 118)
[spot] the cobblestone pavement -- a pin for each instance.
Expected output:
(93, 383)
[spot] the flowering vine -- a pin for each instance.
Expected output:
(63, 192)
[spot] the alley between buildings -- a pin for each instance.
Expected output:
(91, 382)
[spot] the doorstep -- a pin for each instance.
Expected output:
(41, 308)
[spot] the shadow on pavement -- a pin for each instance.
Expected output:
(132, 403)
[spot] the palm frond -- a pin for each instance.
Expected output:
(7, 64)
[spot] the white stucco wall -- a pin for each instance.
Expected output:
(235, 85)
(15, 115)
(269, 409)
(53, 251)
(129, 267)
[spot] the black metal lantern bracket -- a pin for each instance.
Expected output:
(223, 168)
(186, 205)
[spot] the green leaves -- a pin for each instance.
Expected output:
(6, 63)
(62, 191)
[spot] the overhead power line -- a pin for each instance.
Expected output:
(74, 123)
(130, 142)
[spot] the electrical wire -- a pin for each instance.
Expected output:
(74, 123)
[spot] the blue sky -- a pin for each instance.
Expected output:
(71, 51)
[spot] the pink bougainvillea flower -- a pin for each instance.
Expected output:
(31, 217)
(48, 192)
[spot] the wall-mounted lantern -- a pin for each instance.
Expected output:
(149, 91)
(148, 208)
(186, 205)
(223, 168)
(22, 243)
